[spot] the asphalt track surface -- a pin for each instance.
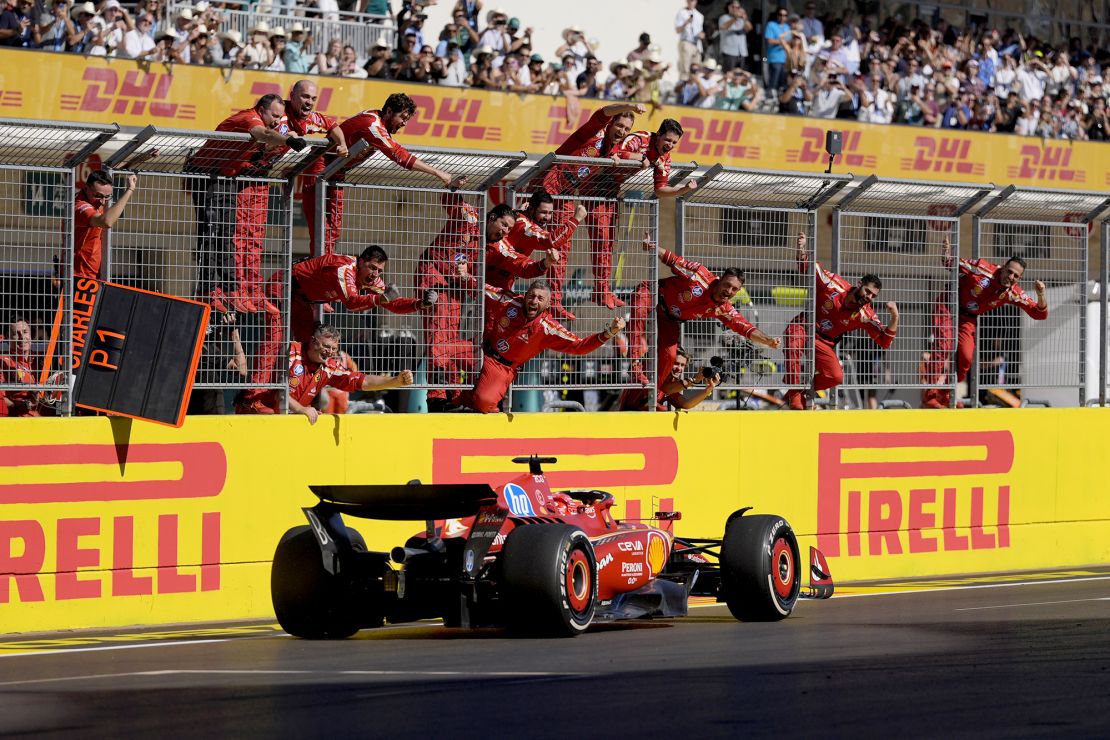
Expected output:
(996, 659)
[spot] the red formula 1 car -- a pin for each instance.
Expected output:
(519, 555)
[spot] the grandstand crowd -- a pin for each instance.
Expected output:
(814, 62)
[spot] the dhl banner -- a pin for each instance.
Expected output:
(101, 90)
(106, 522)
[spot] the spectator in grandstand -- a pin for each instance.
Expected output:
(55, 29)
(812, 26)
(312, 367)
(17, 366)
(776, 35)
(298, 50)
(327, 62)
(840, 308)
(138, 43)
(91, 216)
(358, 283)
(483, 75)
(16, 26)
(463, 34)
(587, 83)
(116, 23)
(796, 97)
(741, 91)
(231, 213)
(165, 49)
(693, 292)
(517, 329)
(377, 128)
(830, 93)
(496, 33)
(86, 35)
(455, 71)
(689, 24)
(733, 27)
(711, 84)
(1098, 123)
(575, 47)
(377, 67)
(228, 52)
(643, 49)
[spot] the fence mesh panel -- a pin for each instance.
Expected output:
(751, 221)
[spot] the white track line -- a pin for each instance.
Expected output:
(216, 672)
(1032, 603)
(972, 587)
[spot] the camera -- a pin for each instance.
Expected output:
(715, 369)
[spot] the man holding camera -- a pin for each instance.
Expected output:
(693, 292)
(734, 27)
(840, 308)
(675, 391)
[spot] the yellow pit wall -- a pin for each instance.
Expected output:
(111, 522)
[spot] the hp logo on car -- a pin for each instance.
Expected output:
(518, 500)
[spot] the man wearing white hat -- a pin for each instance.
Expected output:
(575, 46)
(184, 31)
(226, 52)
(138, 42)
(297, 48)
(117, 23)
(89, 35)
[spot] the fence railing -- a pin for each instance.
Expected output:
(195, 228)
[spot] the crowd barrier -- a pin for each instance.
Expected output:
(193, 231)
(105, 522)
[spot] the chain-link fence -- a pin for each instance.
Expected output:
(1030, 350)
(599, 218)
(191, 231)
(434, 239)
(897, 231)
(751, 221)
(41, 167)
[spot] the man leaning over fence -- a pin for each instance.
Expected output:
(840, 308)
(985, 287)
(304, 120)
(231, 211)
(377, 127)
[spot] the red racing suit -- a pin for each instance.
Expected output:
(834, 318)
(449, 355)
(504, 265)
(323, 279)
(307, 379)
(86, 239)
(980, 293)
(601, 222)
(937, 368)
(17, 369)
(511, 339)
(315, 123)
(366, 126)
(231, 209)
(686, 296)
(527, 236)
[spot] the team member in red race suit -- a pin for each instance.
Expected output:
(445, 268)
(532, 232)
(17, 367)
(377, 128)
(840, 308)
(517, 329)
(318, 365)
(503, 263)
(304, 120)
(936, 361)
(693, 292)
(91, 216)
(984, 286)
(597, 137)
(234, 211)
(356, 282)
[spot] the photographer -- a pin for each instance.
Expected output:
(676, 391)
(830, 94)
(796, 97)
(734, 27)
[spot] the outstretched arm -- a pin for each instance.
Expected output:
(108, 219)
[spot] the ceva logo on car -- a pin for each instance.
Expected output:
(518, 501)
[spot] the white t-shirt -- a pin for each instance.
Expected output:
(134, 44)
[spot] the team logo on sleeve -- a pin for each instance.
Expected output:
(502, 346)
(583, 171)
(686, 296)
(460, 257)
(697, 291)
(826, 325)
(298, 369)
(511, 313)
(972, 306)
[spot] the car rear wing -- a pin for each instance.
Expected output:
(414, 501)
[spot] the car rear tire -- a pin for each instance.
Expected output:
(760, 568)
(308, 601)
(550, 580)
